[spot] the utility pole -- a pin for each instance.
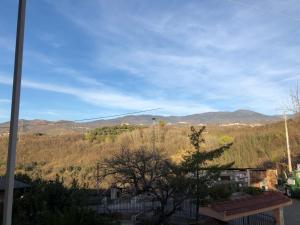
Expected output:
(13, 134)
(153, 134)
(288, 144)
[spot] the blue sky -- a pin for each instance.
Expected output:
(97, 58)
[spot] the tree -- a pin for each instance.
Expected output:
(149, 172)
(51, 203)
(295, 101)
(162, 123)
(203, 175)
(102, 133)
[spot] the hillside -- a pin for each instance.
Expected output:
(243, 117)
(76, 155)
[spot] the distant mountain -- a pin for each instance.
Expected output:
(239, 117)
(44, 126)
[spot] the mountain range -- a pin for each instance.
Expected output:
(238, 117)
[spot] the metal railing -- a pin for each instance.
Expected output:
(258, 219)
(187, 208)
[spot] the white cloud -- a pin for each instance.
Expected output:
(218, 52)
(74, 74)
(222, 54)
(4, 100)
(114, 99)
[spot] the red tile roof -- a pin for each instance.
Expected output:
(251, 203)
(246, 206)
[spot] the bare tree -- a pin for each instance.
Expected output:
(295, 100)
(149, 172)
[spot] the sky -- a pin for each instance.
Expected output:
(99, 58)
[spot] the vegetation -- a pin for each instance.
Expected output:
(62, 168)
(194, 162)
(72, 156)
(51, 203)
(103, 133)
(220, 192)
(252, 190)
(150, 173)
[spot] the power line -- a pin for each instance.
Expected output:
(117, 115)
(89, 119)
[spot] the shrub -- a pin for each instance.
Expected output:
(51, 203)
(220, 192)
(253, 190)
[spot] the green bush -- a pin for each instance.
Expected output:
(110, 133)
(51, 203)
(220, 192)
(225, 139)
(252, 190)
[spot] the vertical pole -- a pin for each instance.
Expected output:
(288, 144)
(13, 132)
(278, 215)
(153, 134)
(249, 178)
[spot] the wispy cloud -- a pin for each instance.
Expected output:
(183, 56)
(117, 100)
(211, 51)
(50, 39)
(75, 74)
(4, 115)
(4, 100)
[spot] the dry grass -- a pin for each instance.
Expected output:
(71, 156)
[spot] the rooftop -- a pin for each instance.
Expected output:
(246, 206)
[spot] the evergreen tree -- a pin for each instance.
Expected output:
(202, 174)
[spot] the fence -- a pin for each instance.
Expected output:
(187, 208)
(258, 219)
(186, 211)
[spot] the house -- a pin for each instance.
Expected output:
(250, 177)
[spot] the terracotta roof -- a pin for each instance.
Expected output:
(250, 203)
(244, 206)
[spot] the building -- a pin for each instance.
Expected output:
(250, 177)
(245, 208)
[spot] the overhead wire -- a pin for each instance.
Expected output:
(88, 119)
